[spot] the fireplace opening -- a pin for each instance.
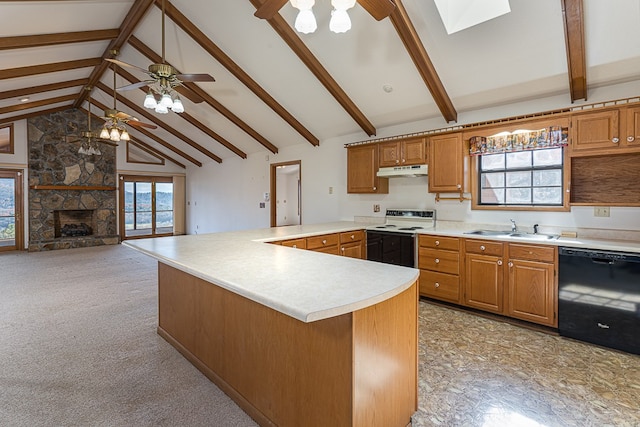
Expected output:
(73, 223)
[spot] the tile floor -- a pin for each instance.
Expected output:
(479, 372)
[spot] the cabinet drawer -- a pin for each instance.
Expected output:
(484, 247)
(439, 242)
(439, 285)
(323, 241)
(440, 261)
(352, 236)
(295, 243)
(532, 252)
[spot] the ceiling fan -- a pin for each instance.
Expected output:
(165, 80)
(114, 126)
(379, 9)
(88, 138)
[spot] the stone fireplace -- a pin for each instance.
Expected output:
(72, 197)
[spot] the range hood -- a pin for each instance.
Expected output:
(403, 171)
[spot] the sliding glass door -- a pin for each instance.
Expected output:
(146, 206)
(11, 210)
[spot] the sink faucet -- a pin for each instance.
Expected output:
(535, 228)
(514, 227)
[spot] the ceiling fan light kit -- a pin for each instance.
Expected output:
(306, 20)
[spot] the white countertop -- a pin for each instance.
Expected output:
(306, 285)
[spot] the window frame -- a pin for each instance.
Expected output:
(474, 166)
(9, 149)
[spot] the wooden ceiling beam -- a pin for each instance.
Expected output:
(131, 21)
(155, 58)
(154, 137)
(418, 53)
(20, 42)
(141, 111)
(17, 93)
(269, 8)
(210, 47)
(573, 17)
(34, 114)
(11, 73)
(157, 152)
(296, 44)
(35, 104)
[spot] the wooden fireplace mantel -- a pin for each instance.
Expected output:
(74, 187)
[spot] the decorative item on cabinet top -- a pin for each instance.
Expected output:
(520, 140)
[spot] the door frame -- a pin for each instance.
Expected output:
(272, 189)
(153, 179)
(18, 176)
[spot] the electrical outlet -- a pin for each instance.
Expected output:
(601, 211)
(330, 190)
(376, 208)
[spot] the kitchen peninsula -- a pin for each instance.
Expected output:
(294, 337)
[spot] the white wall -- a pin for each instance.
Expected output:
(226, 196)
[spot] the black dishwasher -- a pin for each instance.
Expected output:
(599, 297)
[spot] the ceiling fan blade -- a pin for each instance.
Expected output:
(379, 9)
(124, 64)
(269, 8)
(74, 140)
(134, 86)
(136, 123)
(123, 116)
(189, 94)
(195, 77)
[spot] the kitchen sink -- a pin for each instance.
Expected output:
(518, 235)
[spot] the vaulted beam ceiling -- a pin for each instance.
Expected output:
(572, 12)
(208, 45)
(127, 27)
(144, 113)
(157, 152)
(20, 42)
(290, 37)
(33, 114)
(418, 53)
(155, 58)
(36, 104)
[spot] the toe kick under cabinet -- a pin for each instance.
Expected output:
(511, 279)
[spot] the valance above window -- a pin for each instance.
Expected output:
(551, 137)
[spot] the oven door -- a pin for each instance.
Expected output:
(391, 248)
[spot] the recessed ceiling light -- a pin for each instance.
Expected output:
(25, 99)
(387, 88)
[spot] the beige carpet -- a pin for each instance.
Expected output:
(78, 346)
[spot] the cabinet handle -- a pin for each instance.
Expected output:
(324, 242)
(353, 237)
(510, 264)
(630, 138)
(295, 246)
(615, 140)
(437, 242)
(499, 262)
(374, 188)
(342, 249)
(482, 248)
(459, 186)
(437, 285)
(600, 325)
(403, 160)
(437, 261)
(397, 161)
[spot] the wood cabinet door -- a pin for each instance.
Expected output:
(414, 152)
(389, 153)
(532, 292)
(362, 166)
(484, 279)
(353, 250)
(446, 171)
(598, 130)
(440, 286)
(632, 137)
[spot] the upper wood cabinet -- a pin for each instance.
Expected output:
(362, 166)
(446, 163)
(403, 153)
(600, 132)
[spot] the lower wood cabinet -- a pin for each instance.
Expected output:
(512, 279)
(351, 243)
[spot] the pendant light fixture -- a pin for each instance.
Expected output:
(306, 20)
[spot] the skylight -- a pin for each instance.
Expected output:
(458, 15)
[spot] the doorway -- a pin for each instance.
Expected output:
(11, 204)
(286, 193)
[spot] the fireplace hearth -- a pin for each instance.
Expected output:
(72, 196)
